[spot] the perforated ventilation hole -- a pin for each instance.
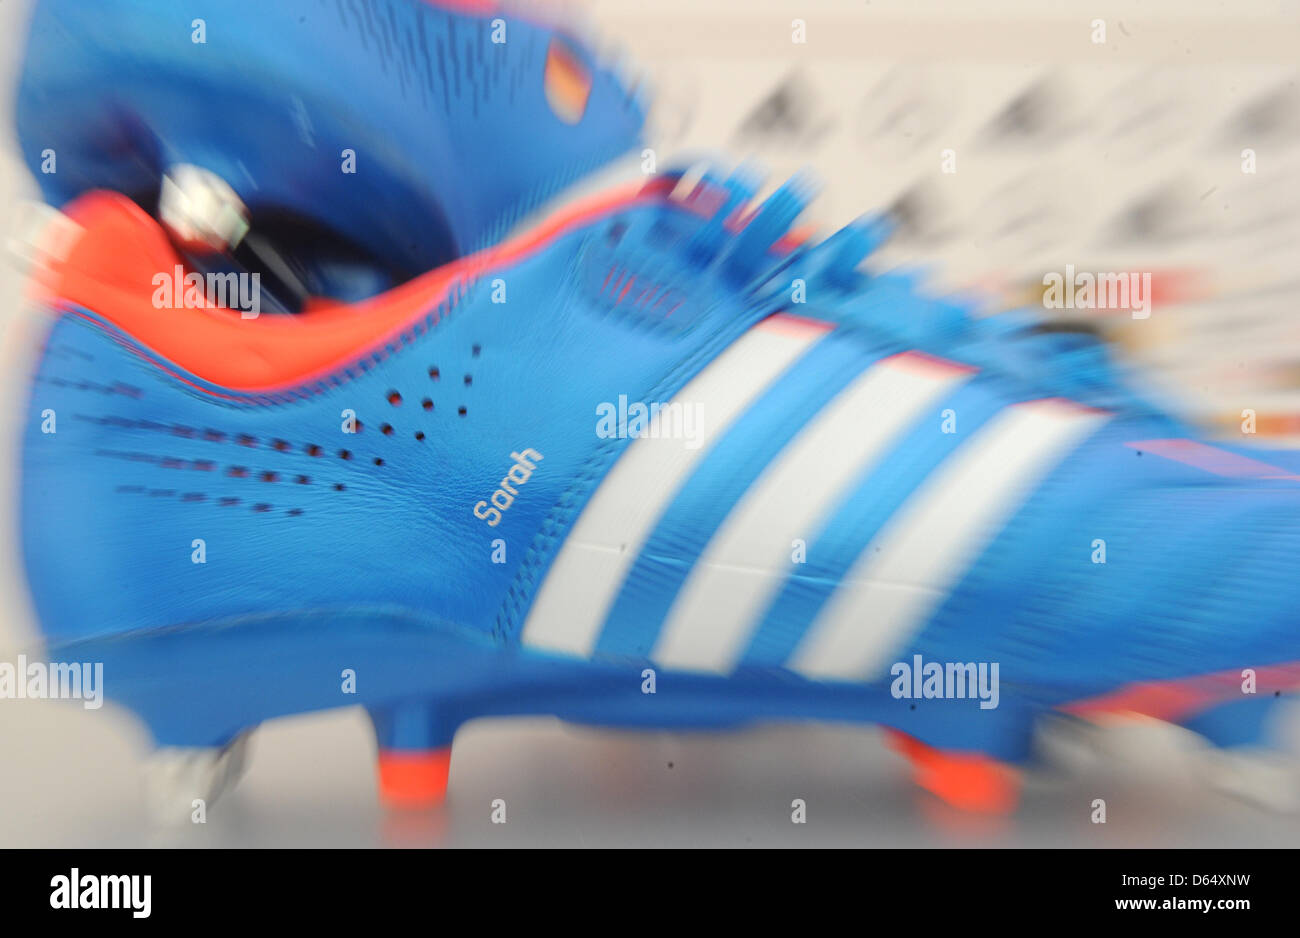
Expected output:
(208, 465)
(258, 474)
(419, 434)
(476, 350)
(462, 410)
(427, 404)
(394, 398)
(434, 373)
(469, 380)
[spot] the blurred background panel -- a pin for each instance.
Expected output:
(1012, 138)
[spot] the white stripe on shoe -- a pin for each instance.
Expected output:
(748, 558)
(574, 599)
(923, 551)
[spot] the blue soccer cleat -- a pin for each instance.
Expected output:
(368, 142)
(602, 471)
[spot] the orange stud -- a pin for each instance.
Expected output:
(966, 780)
(413, 778)
(899, 741)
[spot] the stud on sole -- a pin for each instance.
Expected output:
(414, 779)
(968, 781)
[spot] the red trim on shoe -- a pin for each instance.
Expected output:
(466, 6)
(1221, 462)
(1174, 699)
(111, 269)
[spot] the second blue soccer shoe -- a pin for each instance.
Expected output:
(368, 141)
(602, 471)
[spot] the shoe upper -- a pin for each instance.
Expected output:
(615, 440)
